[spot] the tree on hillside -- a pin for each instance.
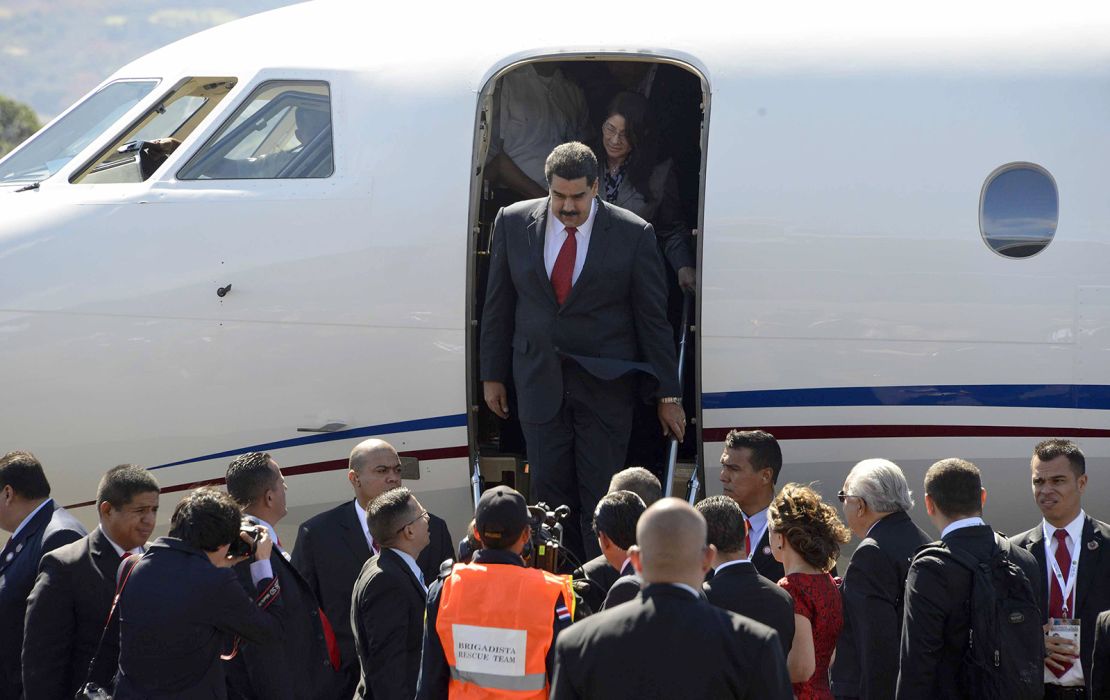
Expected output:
(17, 122)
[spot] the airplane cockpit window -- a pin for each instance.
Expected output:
(283, 130)
(140, 151)
(1019, 210)
(52, 148)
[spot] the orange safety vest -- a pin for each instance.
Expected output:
(495, 625)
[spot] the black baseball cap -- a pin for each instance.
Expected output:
(502, 514)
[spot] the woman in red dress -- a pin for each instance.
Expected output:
(806, 535)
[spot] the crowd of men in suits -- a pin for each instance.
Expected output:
(574, 333)
(370, 605)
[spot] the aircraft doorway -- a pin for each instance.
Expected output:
(646, 121)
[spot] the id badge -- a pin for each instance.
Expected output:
(1065, 627)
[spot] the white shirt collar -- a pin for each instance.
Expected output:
(556, 234)
(360, 512)
(686, 588)
(556, 226)
(273, 532)
(730, 563)
(29, 518)
(1074, 529)
(407, 558)
(960, 524)
(119, 550)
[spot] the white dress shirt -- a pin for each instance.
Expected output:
(556, 234)
(532, 115)
(758, 524)
(1074, 675)
(960, 524)
(263, 569)
(119, 550)
(361, 514)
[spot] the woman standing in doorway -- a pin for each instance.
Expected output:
(632, 178)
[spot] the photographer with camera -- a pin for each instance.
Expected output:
(302, 664)
(491, 625)
(181, 603)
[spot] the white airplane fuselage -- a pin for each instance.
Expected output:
(847, 300)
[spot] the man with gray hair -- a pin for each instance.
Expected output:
(876, 502)
(575, 314)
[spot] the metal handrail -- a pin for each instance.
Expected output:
(672, 454)
(476, 481)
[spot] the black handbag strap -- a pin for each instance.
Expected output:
(124, 573)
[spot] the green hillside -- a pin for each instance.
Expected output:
(54, 51)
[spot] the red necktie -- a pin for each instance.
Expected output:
(562, 273)
(748, 537)
(1056, 596)
(329, 639)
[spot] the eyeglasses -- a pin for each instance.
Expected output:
(423, 514)
(611, 132)
(845, 496)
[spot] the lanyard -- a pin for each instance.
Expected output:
(1068, 590)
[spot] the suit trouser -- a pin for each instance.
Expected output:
(573, 456)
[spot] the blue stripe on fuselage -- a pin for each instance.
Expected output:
(408, 426)
(1076, 396)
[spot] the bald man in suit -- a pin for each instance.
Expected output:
(670, 642)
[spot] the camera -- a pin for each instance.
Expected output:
(240, 548)
(547, 536)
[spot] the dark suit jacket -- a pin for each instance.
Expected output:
(330, 551)
(1099, 680)
(387, 615)
(177, 614)
(599, 576)
(740, 589)
(624, 589)
(764, 560)
(297, 665)
(614, 321)
(936, 619)
(1092, 590)
(669, 644)
(866, 663)
(49, 529)
(662, 207)
(65, 616)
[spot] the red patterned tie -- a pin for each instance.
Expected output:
(329, 640)
(748, 537)
(1056, 596)
(562, 273)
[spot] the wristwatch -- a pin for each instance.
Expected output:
(671, 399)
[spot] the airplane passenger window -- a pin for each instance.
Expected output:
(283, 130)
(144, 146)
(1019, 210)
(51, 149)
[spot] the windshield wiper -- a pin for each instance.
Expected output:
(32, 186)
